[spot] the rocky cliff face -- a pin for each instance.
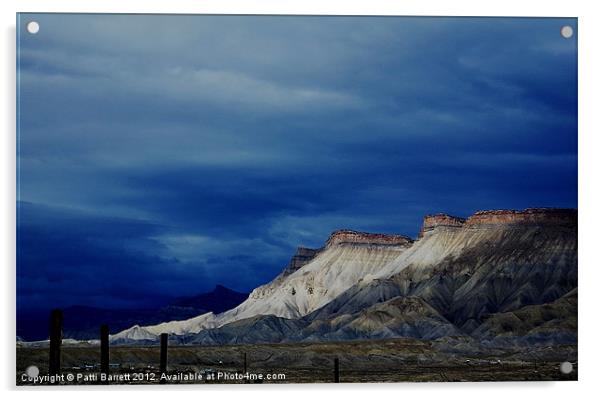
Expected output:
(440, 220)
(342, 237)
(301, 257)
(533, 216)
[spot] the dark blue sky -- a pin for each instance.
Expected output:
(160, 155)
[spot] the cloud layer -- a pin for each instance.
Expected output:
(160, 155)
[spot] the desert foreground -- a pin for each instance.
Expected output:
(392, 360)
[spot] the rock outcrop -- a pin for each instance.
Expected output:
(547, 216)
(533, 216)
(357, 237)
(440, 220)
(302, 256)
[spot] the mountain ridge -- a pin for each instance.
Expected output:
(459, 272)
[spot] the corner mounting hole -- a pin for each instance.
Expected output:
(32, 371)
(566, 367)
(566, 31)
(33, 27)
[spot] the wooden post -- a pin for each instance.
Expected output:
(245, 363)
(336, 370)
(163, 362)
(104, 349)
(56, 338)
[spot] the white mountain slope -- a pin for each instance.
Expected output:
(347, 258)
(190, 326)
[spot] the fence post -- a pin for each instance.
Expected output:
(245, 363)
(336, 370)
(56, 338)
(104, 349)
(163, 361)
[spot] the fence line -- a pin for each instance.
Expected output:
(56, 338)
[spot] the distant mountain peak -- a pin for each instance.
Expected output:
(221, 298)
(221, 288)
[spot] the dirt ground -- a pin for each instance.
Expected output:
(394, 360)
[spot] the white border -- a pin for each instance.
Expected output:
(590, 65)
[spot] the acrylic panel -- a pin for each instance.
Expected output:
(295, 199)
